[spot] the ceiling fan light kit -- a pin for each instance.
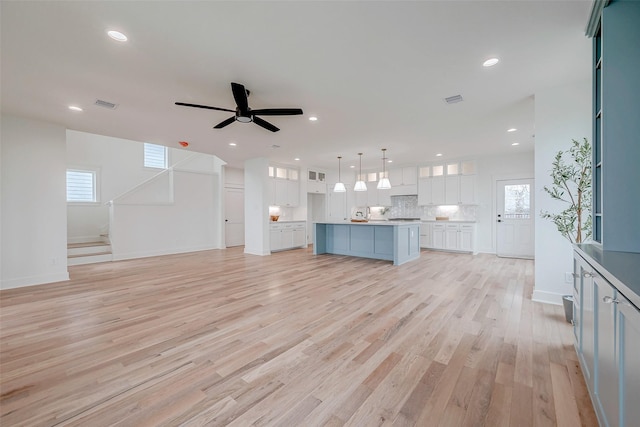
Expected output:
(384, 183)
(243, 113)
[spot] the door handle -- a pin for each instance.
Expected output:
(609, 300)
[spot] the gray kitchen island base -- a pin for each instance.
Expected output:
(392, 241)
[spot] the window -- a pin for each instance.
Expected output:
(425, 172)
(155, 156)
(517, 201)
(81, 186)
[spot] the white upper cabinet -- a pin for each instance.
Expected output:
(284, 186)
(451, 183)
(403, 181)
(316, 181)
(403, 176)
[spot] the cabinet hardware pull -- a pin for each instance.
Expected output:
(609, 300)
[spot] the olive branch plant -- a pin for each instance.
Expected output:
(571, 174)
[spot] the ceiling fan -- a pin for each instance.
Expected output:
(244, 114)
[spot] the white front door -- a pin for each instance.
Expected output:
(234, 217)
(514, 218)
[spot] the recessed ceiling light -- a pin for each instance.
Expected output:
(389, 161)
(297, 159)
(74, 108)
(439, 155)
(233, 144)
(490, 62)
(352, 166)
(515, 143)
(512, 130)
(313, 118)
(117, 35)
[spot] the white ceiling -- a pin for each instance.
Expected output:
(375, 73)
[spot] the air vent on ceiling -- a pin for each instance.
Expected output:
(453, 99)
(106, 104)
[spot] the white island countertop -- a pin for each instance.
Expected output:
(444, 221)
(369, 222)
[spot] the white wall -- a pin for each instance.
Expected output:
(33, 203)
(189, 223)
(233, 177)
(562, 114)
(256, 207)
(120, 166)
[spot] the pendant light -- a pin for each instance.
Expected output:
(360, 184)
(339, 188)
(384, 183)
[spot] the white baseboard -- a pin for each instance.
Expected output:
(34, 280)
(147, 254)
(547, 297)
(259, 252)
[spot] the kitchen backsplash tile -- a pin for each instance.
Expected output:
(404, 207)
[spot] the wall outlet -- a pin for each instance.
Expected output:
(568, 277)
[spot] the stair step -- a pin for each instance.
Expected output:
(88, 254)
(82, 249)
(89, 259)
(86, 244)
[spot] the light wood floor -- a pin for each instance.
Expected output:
(222, 338)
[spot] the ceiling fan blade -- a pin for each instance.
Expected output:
(240, 95)
(265, 124)
(278, 111)
(204, 106)
(225, 123)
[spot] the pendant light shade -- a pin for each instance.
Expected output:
(360, 184)
(339, 187)
(384, 183)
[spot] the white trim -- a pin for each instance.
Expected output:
(147, 254)
(34, 280)
(250, 251)
(547, 297)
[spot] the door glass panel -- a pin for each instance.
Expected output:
(517, 201)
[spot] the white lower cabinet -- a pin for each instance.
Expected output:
(288, 235)
(438, 236)
(451, 237)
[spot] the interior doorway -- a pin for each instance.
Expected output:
(514, 218)
(233, 217)
(316, 211)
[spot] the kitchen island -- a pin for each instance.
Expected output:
(396, 241)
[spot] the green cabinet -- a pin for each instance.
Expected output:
(615, 28)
